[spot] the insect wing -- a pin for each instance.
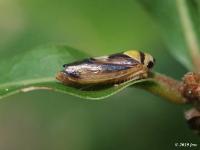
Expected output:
(102, 70)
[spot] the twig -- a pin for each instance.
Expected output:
(164, 86)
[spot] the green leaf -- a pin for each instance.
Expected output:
(179, 23)
(36, 69)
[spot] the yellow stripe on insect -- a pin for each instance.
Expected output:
(133, 54)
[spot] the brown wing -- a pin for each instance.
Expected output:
(102, 70)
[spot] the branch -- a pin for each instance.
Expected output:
(164, 86)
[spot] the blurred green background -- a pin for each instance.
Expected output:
(132, 119)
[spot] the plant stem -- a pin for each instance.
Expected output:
(164, 86)
(189, 33)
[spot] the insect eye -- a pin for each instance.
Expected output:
(150, 64)
(65, 65)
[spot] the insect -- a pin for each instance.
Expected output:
(112, 69)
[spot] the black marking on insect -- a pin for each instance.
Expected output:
(142, 57)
